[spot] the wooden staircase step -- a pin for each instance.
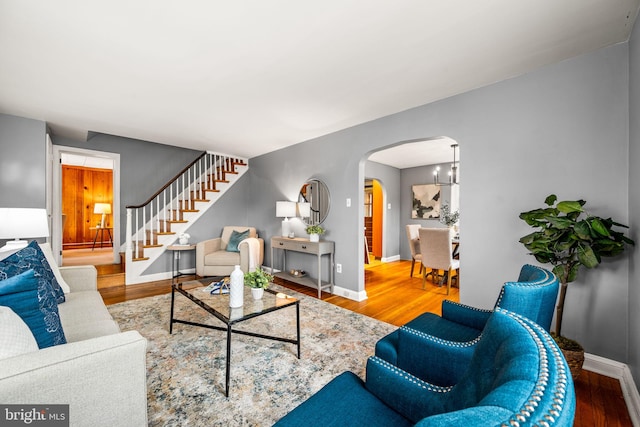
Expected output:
(166, 233)
(154, 245)
(140, 259)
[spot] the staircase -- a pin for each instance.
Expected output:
(157, 223)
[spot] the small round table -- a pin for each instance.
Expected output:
(177, 249)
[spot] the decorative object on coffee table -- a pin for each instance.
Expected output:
(258, 281)
(236, 290)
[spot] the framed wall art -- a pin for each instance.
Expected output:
(426, 201)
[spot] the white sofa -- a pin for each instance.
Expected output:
(100, 373)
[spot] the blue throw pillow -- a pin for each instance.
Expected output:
(32, 257)
(235, 240)
(38, 310)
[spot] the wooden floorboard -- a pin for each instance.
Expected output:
(395, 298)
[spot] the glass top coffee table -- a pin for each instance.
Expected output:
(218, 306)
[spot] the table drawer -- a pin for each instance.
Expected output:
(292, 245)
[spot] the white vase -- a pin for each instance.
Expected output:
(314, 237)
(257, 293)
(183, 241)
(236, 288)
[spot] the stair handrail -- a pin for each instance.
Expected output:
(171, 181)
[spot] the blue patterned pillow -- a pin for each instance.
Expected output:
(38, 310)
(32, 257)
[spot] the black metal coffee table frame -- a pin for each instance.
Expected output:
(230, 322)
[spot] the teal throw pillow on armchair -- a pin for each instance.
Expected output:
(235, 240)
(39, 310)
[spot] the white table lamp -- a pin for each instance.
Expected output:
(104, 209)
(304, 210)
(25, 223)
(285, 210)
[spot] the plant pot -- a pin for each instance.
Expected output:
(572, 352)
(257, 293)
(314, 237)
(574, 359)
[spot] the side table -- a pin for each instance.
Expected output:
(100, 231)
(318, 249)
(175, 267)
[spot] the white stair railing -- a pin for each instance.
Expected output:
(157, 223)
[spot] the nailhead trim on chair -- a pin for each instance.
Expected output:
(525, 284)
(423, 384)
(481, 310)
(543, 341)
(440, 340)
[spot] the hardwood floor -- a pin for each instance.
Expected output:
(395, 298)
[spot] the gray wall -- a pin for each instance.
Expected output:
(22, 162)
(562, 129)
(634, 202)
(147, 166)
(144, 166)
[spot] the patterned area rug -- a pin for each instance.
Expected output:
(186, 370)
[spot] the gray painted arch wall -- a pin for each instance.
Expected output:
(561, 129)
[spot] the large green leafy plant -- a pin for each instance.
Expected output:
(569, 237)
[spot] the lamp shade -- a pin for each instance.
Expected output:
(102, 208)
(25, 223)
(304, 209)
(285, 209)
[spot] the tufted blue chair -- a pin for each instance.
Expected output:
(516, 377)
(533, 296)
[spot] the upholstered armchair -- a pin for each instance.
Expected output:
(516, 377)
(218, 256)
(533, 296)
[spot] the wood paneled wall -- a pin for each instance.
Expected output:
(81, 188)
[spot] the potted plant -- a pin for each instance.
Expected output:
(448, 218)
(314, 232)
(258, 281)
(568, 237)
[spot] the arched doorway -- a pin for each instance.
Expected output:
(414, 163)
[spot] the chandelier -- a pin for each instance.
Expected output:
(452, 175)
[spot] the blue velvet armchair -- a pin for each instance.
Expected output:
(517, 376)
(533, 296)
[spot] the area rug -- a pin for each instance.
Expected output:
(186, 370)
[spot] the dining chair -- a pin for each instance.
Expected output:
(437, 254)
(414, 245)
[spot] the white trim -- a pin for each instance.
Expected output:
(622, 373)
(155, 277)
(348, 293)
(56, 212)
(391, 258)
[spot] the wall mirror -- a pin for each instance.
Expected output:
(316, 193)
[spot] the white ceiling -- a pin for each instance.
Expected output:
(418, 153)
(249, 77)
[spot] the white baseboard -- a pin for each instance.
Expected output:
(348, 293)
(390, 259)
(622, 373)
(159, 276)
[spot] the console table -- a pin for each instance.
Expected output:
(323, 247)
